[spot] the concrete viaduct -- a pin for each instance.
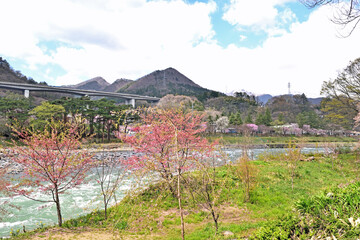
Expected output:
(26, 88)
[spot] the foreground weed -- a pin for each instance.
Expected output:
(331, 214)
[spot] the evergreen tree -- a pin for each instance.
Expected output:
(232, 119)
(281, 117)
(238, 120)
(248, 119)
(309, 118)
(260, 119)
(267, 118)
(235, 119)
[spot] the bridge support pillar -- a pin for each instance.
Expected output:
(26, 93)
(130, 102)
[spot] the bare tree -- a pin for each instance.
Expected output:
(293, 156)
(171, 101)
(110, 173)
(348, 11)
(206, 186)
(331, 151)
(244, 169)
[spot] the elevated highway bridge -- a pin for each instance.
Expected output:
(27, 88)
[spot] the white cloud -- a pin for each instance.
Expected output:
(130, 38)
(287, 16)
(261, 13)
(306, 56)
(111, 37)
(242, 38)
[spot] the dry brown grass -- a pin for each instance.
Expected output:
(228, 214)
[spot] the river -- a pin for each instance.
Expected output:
(83, 199)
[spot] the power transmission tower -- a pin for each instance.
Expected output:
(289, 88)
(164, 79)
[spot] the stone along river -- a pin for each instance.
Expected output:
(81, 200)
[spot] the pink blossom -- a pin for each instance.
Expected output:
(253, 127)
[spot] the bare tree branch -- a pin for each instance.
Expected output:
(348, 12)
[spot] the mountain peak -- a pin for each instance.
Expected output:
(169, 69)
(158, 83)
(168, 81)
(118, 84)
(98, 79)
(96, 83)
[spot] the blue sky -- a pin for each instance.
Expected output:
(225, 45)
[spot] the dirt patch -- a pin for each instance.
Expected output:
(67, 234)
(88, 234)
(230, 214)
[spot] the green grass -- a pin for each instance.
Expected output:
(237, 139)
(154, 211)
(333, 213)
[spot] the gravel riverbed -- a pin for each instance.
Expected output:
(11, 167)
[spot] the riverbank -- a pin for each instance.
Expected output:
(99, 150)
(153, 213)
(296, 145)
(122, 150)
(232, 139)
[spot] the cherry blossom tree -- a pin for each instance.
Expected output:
(52, 160)
(251, 128)
(222, 123)
(168, 142)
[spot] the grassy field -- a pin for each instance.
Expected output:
(153, 213)
(238, 140)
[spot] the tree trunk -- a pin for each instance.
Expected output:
(91, 126)
(108, 131)
(98, 130)
(180, 207)
(65, 117)
(247, 181)
(103, 130)
(215, 218)
(105, 206)
(169, 177)
(58, 209)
